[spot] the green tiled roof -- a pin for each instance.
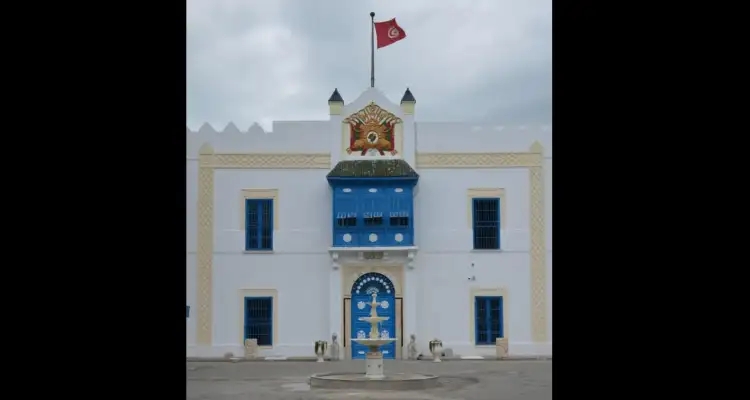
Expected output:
(373, 169)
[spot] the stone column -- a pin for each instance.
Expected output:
(335, 299)
(374, 368)
(410, 301)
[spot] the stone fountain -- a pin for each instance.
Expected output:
(374, 357)
(374, 377)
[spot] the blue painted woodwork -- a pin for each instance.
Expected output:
(362, 291)
(488, 318)
(259, 320)
(373, 212)
(258, 224)
(486, 223)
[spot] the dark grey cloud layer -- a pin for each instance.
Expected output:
(261, 60)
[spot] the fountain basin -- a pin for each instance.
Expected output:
(359, 381)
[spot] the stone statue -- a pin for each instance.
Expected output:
(334, 347)
(411, 348)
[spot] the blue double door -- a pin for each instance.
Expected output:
(386, 307)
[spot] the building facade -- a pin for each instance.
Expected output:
(290, 232)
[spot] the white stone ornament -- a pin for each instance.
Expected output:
(361, 335)
(361, 305)
(373, 238)
(384, 304)
(399, 237)
(347, 238)
(384, 334)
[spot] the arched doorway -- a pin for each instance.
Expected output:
(362, 291)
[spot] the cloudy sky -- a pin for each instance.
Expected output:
(471, 60)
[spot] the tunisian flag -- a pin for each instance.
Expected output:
(388, 32)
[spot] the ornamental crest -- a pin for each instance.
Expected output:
(372, 131)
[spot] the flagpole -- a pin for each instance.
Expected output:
(372, 50)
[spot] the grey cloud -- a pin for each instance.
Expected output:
(260, 61)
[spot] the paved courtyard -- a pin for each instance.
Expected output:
(460, 380)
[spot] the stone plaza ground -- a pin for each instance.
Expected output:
(460, 380)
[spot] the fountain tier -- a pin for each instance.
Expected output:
(374, 357)
(374, 378)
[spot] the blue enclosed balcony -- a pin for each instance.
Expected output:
(373, 203)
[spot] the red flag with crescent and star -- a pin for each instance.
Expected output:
(388, 32)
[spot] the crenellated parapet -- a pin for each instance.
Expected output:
(285, 137)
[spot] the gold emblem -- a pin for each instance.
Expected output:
(372, 129)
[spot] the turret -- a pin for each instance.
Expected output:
(408, 102)
(336, 103)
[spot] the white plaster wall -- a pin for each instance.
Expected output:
(458, 137)
(297, 268)
(444, 237)
(445, 297)
(441, 218)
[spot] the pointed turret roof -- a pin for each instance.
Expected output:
(336, 97)
(408, 96)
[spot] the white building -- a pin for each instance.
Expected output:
(288, 231)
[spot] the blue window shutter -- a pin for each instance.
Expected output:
(252, 224)
(476, 320)
(259, 320)
(270, 321)
(474, 221)
(259, 224)
(486, 223)
(488, 319)
(497, 223)
(266, 227)
(501, 327)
